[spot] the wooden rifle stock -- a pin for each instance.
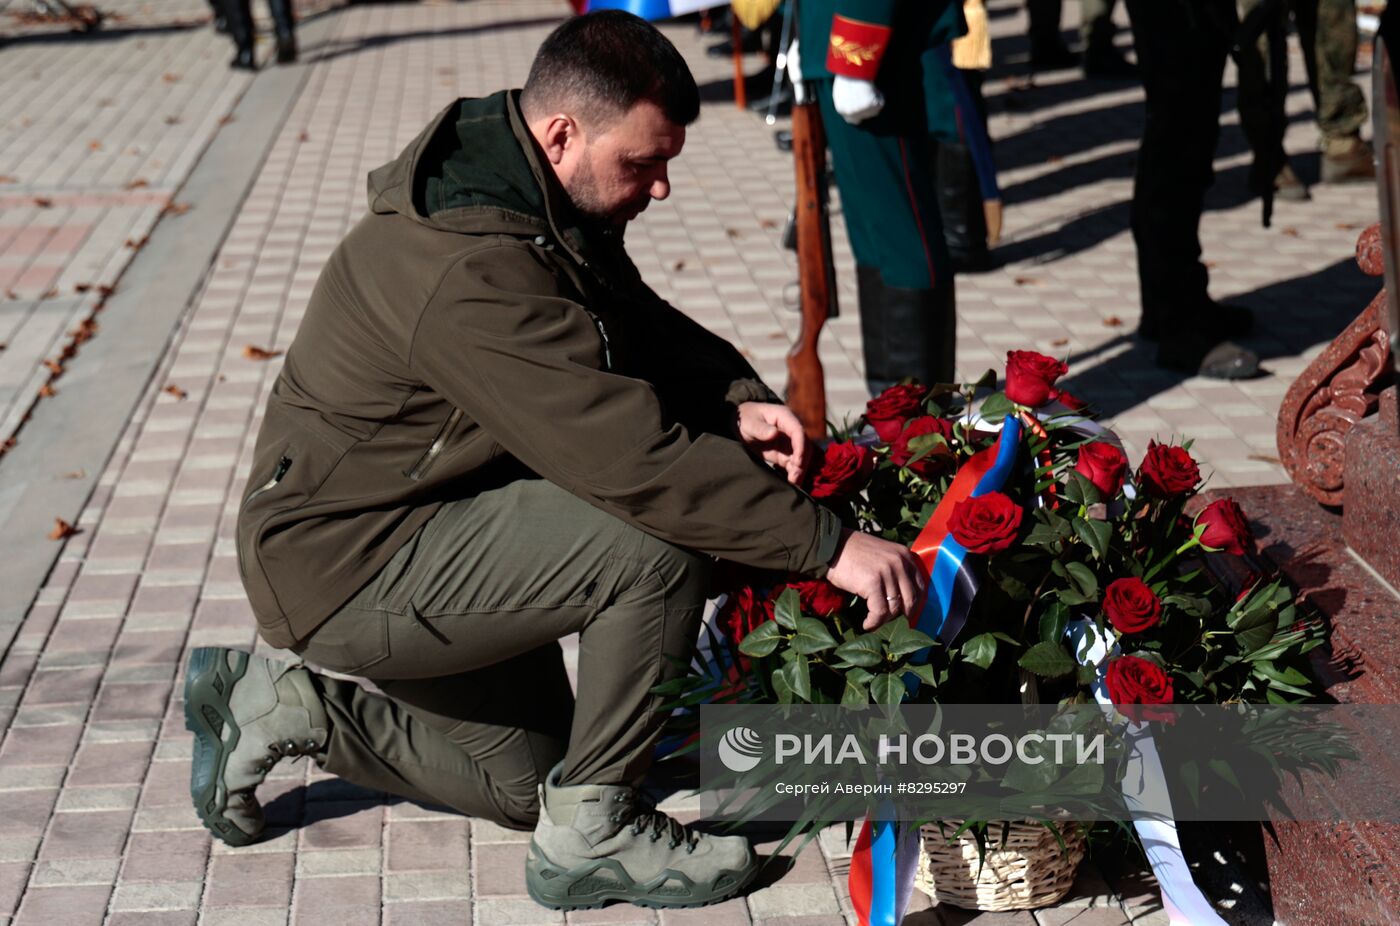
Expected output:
(806, 386)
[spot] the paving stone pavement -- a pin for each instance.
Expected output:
(95, 825)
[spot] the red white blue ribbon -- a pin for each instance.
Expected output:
(886, 856)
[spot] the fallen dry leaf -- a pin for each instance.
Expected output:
(1059, 342)
(304, 136)
(62, 530)
(169, 78)
(172, 120)
(176, 391)
(46, 391)
(226, 120)
(1026, 281)
(678, 266)
(1348, 226)
(104, 291)
(43, 202)
(174, 208)
(53, 366)
(81, 287)
(1210, 264)
(251, 352)
(137, 245)
(1290, 232)
(767, 223)
(137, 184)
(84, 331)
(1113, 321)
(3, 345)
(734, 233)
(95, 145)
(75, 474)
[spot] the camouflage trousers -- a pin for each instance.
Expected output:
(1327, 33)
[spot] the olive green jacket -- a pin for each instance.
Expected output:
(470, 331)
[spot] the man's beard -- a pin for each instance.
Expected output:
(583, 193)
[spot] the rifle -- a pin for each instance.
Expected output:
(806, 386)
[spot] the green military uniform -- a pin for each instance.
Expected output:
(882, 168)
(1328, 36)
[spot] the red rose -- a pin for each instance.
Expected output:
(1167, 472)
(1070, 401)
(844, 470)
(1131, 606)
(985, 524)
(1135, 681)
(1225, 527)
(1104, 465)
(744, 611)
(1030, 377)
(818, 596)
(888, 411)
(936, 459)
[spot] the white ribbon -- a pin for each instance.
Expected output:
(1145, 786)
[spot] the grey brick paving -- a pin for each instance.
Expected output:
(94, 818)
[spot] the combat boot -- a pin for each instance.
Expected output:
(599, 843)
(1347, 160)
(246, 714)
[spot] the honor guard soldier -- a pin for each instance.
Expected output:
(863, 60)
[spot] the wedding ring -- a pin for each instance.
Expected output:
(891, 597)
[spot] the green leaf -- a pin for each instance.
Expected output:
(906, 640)
(1049, 660)
(1084, 578)
(864, 650)
(1053, 621)
(762, 640)
(812, 636)
(788, 609)
(924, 672)
(980, 650)
(1095, 533)
(798, 677)
(996, 407)
(1194, 605)
(781, 687)
(888, 688)
(855, 694)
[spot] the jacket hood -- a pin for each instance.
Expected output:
(476, 170)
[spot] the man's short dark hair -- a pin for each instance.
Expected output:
(597, 67)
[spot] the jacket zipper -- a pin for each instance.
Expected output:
(283, 465)
(418, 469)
(602, 333)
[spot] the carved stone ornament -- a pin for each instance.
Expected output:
(1337, 390)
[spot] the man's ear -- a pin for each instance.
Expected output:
(557, 134)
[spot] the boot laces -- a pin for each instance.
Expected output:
(644, 815)
(285, 749)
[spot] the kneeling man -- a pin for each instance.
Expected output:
(489, 434)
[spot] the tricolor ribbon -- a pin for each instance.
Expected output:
(886, 856)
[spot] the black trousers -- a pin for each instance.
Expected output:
(1181, 48)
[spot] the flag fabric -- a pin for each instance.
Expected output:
(646, 9)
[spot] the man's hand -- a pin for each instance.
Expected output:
(774, 433)
(888, 576)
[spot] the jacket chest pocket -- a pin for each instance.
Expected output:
(434, 449)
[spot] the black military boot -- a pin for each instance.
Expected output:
(240, 27)
(905, 332)
(960, 206)
(284, 23)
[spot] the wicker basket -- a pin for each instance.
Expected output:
(1026, 871)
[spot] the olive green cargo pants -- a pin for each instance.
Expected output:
(460, 630)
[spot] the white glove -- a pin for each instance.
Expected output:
(793, 66)
(856, 100)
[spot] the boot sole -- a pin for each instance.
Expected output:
(600, 882)
(209, 682)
